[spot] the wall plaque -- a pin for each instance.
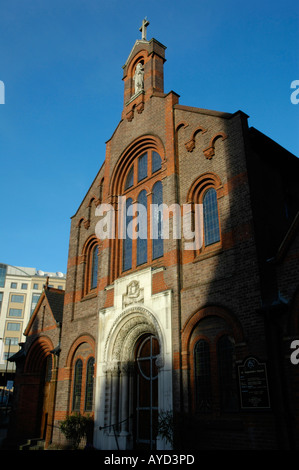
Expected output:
(253, 383)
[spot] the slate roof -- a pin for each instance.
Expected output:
(55, 299)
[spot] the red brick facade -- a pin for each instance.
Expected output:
(232, 288)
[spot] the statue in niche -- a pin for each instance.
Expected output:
(138, 78)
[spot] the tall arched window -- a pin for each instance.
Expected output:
(94, 268)
(142, 187)
(77, 385)
(211, 217)
(142, 228)
(91, 258)
(157, 201)
(89, 384)
(127, 242)
(203, 195)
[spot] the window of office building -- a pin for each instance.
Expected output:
(2, 274)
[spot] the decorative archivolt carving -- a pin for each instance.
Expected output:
(132, 323)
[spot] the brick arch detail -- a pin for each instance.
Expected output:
(190, 145)
(88, 242)
(80, 340)
(140, 56)
(181, 125)
(205, 312)
(143, 143)
(199, 184)
(39, 350)
(209, 152)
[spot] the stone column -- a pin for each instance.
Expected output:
(124, 398)
(114, 394)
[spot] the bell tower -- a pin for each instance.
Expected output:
(143, 73)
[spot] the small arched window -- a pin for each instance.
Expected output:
(77, 385)
(211, 217)
(91, 258)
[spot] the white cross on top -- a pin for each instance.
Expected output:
(144, 25)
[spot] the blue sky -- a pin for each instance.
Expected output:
(61, 63)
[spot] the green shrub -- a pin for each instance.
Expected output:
(166, 426)
(75, 427)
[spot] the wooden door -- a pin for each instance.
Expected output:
(45, 397)
(146, 393)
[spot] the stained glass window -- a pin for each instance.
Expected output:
(142, 230)
(211, 219)
(157, 201)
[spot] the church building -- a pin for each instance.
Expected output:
(181, 304)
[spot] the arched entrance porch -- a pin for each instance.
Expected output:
(134, 383)
(36, 393)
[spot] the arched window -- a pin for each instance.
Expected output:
(142, 229)
(127, 242)
(156, 162)
(141, 187)
(203, 196)
(77, 385)
(129, 180)
(142, 167)
(202, 375)
(157, 201)
(211, 217)
(91, 258)
(94, 268)
(215, 385)
(89, 384)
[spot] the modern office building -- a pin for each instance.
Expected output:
(20, 290)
